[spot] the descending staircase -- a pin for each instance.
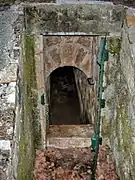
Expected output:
(66, 136)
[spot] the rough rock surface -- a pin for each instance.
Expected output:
(130, 3)
(73, 164)
(9, 52)
(4, 154)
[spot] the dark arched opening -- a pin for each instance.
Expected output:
(65, 103)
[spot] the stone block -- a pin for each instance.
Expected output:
(87, 18)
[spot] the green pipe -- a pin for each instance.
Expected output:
(96, 138)
(100, 85)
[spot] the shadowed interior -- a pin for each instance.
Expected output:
(64, 98)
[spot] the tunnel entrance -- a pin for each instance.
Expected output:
(65, 105)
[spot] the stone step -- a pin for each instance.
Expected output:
(68, 142)
(66, 136)
(81, 131)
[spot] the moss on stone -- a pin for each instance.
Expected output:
(106, 128)
(30, 128)
(127, 134)
(123, 140)
(114, 45)
(118, 129)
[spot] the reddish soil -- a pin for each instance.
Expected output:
(72, 164)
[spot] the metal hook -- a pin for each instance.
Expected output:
(90, 81)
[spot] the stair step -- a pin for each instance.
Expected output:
(82, 131)
(68, 142)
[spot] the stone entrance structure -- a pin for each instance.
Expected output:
(58, 36)
(69, 35)
(41, 41)
(77, 56)
(72, 53)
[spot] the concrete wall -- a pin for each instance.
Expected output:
(118, 116)
(91, 18)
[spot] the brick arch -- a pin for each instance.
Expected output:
(72, 51)
(74, 67)
(47, 78)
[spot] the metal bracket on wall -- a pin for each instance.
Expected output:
(105, 55)
(94, 140)
(91, 81)
(102, 103)
(42, 99)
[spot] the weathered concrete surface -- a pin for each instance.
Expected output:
(87, 18)
(118, 116)
(68, 142)
(30, 134)
(70, 131)
(65, 136)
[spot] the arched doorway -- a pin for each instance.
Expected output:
(69, 94)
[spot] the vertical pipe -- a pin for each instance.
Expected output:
(100, 88)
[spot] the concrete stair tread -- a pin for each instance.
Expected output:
(81, 131)
(67, 142)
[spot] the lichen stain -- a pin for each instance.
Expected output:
(30, 127)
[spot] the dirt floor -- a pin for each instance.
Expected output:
(73, 164)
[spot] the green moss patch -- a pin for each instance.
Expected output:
(30, 128)
(114, 45)
(118, 128)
